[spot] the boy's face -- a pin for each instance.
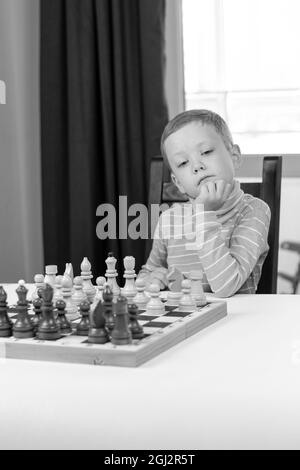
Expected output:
(197, 154)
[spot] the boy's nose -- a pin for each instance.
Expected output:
(199, 166)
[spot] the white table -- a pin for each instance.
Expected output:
(234, 385)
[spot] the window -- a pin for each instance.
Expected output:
(241, 59)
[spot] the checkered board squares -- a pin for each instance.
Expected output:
(161, 332)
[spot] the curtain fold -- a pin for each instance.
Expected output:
(102, 114)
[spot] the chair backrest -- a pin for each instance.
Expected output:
(162, 190)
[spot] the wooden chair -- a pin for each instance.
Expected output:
(292, 279)
(162, 190)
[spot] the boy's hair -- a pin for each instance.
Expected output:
(196, 115)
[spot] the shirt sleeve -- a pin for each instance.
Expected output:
(155, 269)
(227, 268)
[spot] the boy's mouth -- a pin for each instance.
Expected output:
(205, 179)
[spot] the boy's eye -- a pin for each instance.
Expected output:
(207, 152)
(182, 164)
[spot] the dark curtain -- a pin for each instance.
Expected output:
(102, 114)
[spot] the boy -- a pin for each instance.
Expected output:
(230, 228)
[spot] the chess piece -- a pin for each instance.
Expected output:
(197, 292)
(69, 271)
(62, 321)
(108, 307)
(173, 298)
(51, 271)
(58, 289)
(97, 332)
(23, 327)
(186, 303)
(121, 333)
(39, 282)
(5, 322)
(129, 290)
(140, 299)
(71, 307)
(37, 308)
(78, 295)
(111, 275)
(134, 326)
(100, 281)
(175, 278)
(48, 329)
(40, 292)
(86, 275)
(84, 325)
(155, 306)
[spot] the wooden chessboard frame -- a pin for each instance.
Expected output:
(76, 349)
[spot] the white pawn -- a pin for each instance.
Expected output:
(39, 282)
(57, 289)
(51, 271)
(186, 303)
(155, 306)
(86, 276)
(78, 293)
(71, 307)
(111, 276)
(129, 290)
(140, 299)
(173, 298)
(197, 289)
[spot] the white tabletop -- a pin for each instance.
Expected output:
(234, 385)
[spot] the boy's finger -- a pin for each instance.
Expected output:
(203, 193)
(220, 187)
(211, 188)
(227, 190)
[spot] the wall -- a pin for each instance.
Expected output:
(20, 181)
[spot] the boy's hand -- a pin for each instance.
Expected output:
(213, 194)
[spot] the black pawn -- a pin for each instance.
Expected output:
(37, 308)
(48, 329)
(23, 327)
(134, 326)
(5, 322)
(121, 333)
(97, 331)
(62, 321)
(107, 296)
(84, 325)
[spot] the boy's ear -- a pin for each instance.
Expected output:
(236, 156)
(177, 184)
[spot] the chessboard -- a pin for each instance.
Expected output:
(68, 319)
(160, 334)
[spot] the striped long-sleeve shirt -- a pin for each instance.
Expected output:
(229, 245)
